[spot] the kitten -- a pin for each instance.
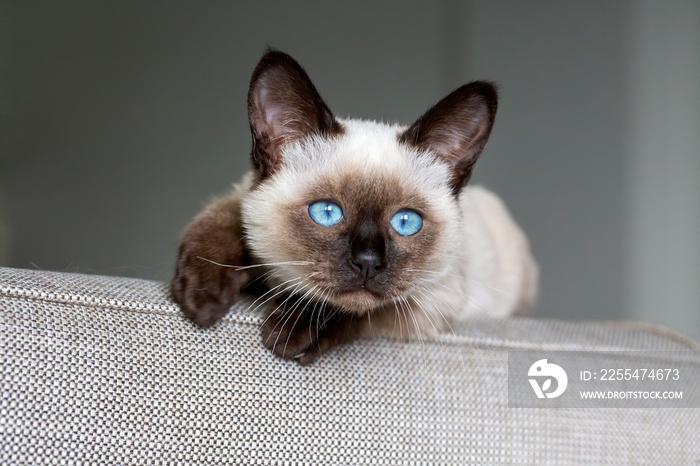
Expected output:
(357, 228)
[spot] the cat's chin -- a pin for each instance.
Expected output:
(358, 301)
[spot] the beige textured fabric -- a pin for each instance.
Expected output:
(106, 371)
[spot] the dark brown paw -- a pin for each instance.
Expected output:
(291, 333)
(208, 280)
(205, 291)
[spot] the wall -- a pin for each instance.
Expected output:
(556, 154)
(662, 180)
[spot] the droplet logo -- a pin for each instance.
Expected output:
(543, 370)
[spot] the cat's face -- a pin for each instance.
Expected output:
(355, 219)
(356, 213)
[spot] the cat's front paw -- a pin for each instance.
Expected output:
(291, 332)
(208, 275)
(205, 291)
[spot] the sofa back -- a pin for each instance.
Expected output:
(106, 370)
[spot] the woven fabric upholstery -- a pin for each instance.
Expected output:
(107, 371)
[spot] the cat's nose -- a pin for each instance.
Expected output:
(367, 264)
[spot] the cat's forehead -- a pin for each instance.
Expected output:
(367, 158)
(371, 145)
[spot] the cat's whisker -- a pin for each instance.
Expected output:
(320, 301)
(264, 277)
(299, 314)
(434, 272)
(289, 335)
(433, 323)
(458, 276)
(334, 311)
(403, 314)
(245, 267)
(438, 283)
(408, 324)
(271, 313)
(327, 304)
(288, 313)
(435, 282)
(395, 319)
(369, 322)
(321, 313)
(276, 324)
(427, 313)
(327, 299)
(436, 306)
(502, 292)
(274, 264)
(271, 290)
(418, 332)
(313, 291)
(313, 311)
(300, 279)
(461, 355)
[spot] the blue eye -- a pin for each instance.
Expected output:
(407, 222)
(325, 213)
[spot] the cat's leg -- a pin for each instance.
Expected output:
(299, 330)
(207, 281)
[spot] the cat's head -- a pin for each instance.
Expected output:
(353, 212)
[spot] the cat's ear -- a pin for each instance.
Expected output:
(456, 128)
(283, 107)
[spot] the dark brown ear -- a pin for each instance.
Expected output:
(283, 107)
(456, 128)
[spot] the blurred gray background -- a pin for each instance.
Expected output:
(121, 118)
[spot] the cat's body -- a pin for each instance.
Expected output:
(357, 228)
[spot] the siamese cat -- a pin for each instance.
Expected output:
(355, 228)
